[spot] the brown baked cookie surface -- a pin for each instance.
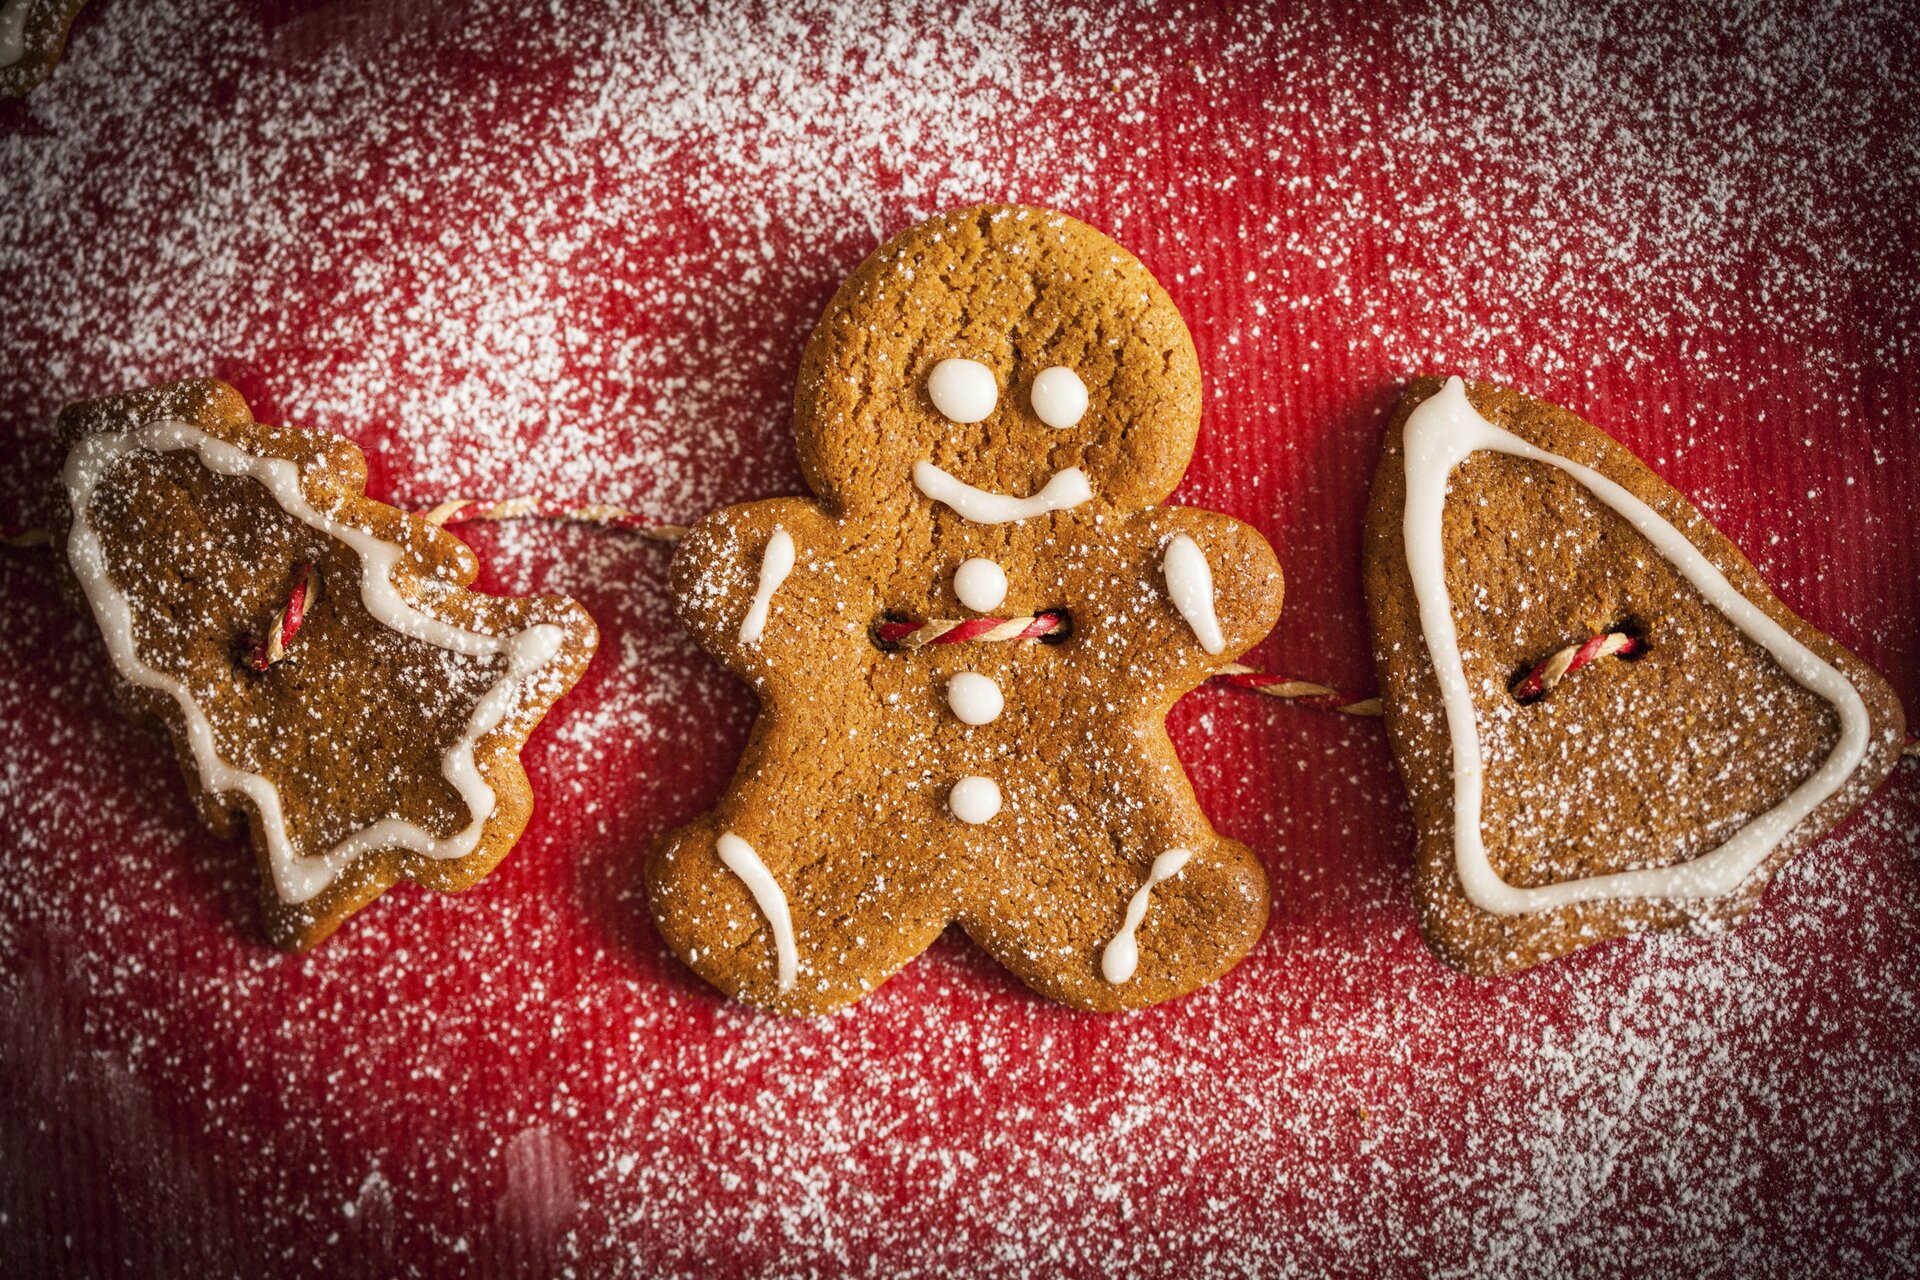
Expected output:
(1025, 789)
(1654, 791)
(381, 742)
(32, 35)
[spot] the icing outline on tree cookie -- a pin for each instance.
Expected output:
(1440, 434)
(297, 878)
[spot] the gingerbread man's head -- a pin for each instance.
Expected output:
(998, 352)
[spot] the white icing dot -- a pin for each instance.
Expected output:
(975, 698)
(1059, 397)
(963, 390)
(974, 799)
(980, 584)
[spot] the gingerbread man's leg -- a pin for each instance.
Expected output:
(1105, 895)
(787, 905)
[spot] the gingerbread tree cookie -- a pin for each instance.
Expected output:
(329, 683)
(990, 413)
(1509, 543)
(32, 35)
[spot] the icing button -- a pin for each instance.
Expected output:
(974, 800)
(975, 698)
(980, 584)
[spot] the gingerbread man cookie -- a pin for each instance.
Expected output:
(1656, 790)
(330, 685)
(990, 412)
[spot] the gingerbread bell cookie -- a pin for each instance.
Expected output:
(329, 683)
(966, 645)
(32, 35)
(1605, 721)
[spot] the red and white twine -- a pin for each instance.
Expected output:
(1563, 663)
(918, 633)
(271, 647)
(1302, 693)
(25, 538)
(908, 633)
(458, 511)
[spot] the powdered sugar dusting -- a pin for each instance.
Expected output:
(574, 252)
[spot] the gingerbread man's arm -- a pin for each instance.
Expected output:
(1204, 588)
(746, 580)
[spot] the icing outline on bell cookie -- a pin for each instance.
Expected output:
(1442, 432)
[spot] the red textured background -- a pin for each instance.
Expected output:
(578, 254)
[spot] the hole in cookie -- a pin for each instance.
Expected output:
(887, 629)
(893, 631)
(259, 653)
(1625, 640)
(1635, 630)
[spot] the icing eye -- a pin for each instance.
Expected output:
(1059, 397)
(963, 390)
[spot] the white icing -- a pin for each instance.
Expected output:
(975, 698)
(1122, 954)
(297, 878)
(776, 562)
(974, 800)
(13, 31)
(1067, 489)
(1190, 583)
(980, 584)
(1059, 397)
(767, 895)
(1440, 434)
(963, 390)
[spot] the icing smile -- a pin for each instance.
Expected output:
(1067, 489)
